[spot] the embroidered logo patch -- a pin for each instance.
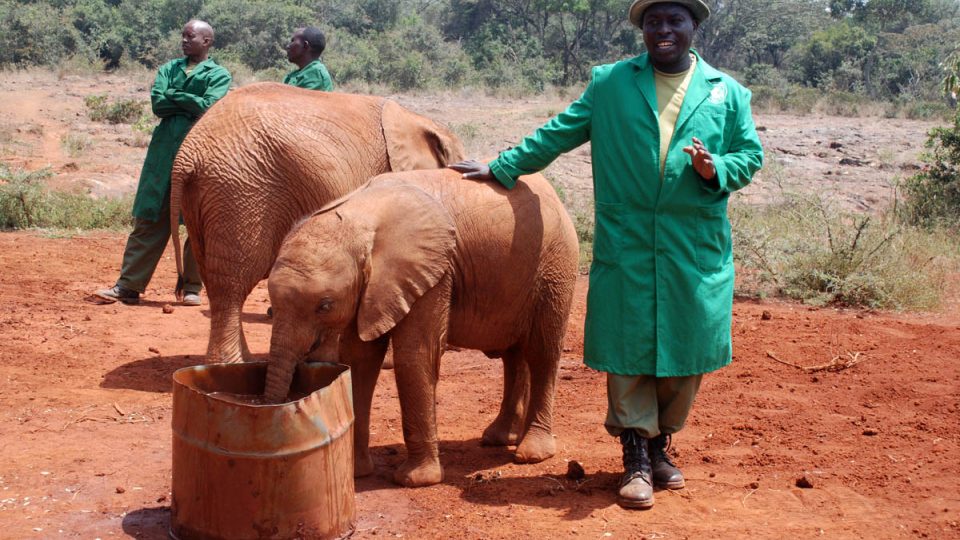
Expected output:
(719, 93)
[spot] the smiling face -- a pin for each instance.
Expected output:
(668, 32)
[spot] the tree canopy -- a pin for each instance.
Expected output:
(886, 49)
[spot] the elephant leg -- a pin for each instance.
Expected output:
(542, 353)
(365, 359)
(506, 428)
(227, 343)
(418, 342)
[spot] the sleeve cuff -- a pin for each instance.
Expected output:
(500, 173)
(718, 183)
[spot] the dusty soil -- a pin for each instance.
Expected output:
(860, 406)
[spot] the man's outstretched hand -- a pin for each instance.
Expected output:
(702, 160)
(472, 169)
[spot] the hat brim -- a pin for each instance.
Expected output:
(699, 10)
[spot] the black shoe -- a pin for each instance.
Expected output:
(117, 292)
(636, 487)
(665, 474)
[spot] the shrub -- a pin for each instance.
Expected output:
(25, 203)
(121, 111)
(933, 194)
(74, 144)
(804, 249)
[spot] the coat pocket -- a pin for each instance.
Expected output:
(713, 239)
(608, 232)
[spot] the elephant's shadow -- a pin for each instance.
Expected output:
(152, 374)
(475, 471)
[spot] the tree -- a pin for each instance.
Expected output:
(741, 33)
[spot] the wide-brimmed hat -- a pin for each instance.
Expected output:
(698, 8)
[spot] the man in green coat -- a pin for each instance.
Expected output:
(183, 89)
(671, 137)
(305, 47)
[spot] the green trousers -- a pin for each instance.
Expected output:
(145, 246)
(651, 405)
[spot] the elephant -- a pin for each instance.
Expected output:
(420, 260)
(263, 157)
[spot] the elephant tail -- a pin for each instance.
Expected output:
(183, 169)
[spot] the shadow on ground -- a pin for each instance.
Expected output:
(148, 523)
(153, 374)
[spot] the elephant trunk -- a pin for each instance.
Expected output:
(283, 363)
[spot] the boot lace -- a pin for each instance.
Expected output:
(635, 459)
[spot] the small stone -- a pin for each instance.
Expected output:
(154, 350)
(804, 482)
(120, 489)
(161, 498)
(168, 309)
(870, 432)
(754, 485)
(575, 471)
(712, 475)
(766, 315)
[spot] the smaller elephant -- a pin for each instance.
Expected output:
(422, 260)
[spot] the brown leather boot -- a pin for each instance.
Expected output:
(636, 487)
(665, 474)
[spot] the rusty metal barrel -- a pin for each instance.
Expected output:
(243, 470)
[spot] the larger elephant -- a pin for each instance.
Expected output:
(268, 154)
(420, 260)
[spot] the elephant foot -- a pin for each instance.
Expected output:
(419, 474)
(535, 447)
(362, 465)
(495, 435)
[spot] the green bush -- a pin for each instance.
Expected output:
(26, 204)
(933, 194)
(120, 111)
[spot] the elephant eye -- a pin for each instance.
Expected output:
(325, 305)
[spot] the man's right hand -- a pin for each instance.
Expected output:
(472, 169)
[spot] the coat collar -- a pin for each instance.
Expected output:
(202, 66)
(701, 84)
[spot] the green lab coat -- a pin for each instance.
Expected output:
(313, 76)
(661, 283)
(178, 100)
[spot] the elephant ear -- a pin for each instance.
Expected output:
(415, 142)
(410, 249)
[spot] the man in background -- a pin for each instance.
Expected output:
(305, 47)
(182, 91)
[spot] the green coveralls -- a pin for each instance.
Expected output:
(661, 283)
(179, 100)
(313, 76)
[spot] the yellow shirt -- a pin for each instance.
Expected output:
(671, 88)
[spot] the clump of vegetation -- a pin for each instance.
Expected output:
(119, 111)
(805, 249)
(26, 204)
(75, 144)
(933, 195)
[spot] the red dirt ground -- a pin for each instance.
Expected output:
(85, 408)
